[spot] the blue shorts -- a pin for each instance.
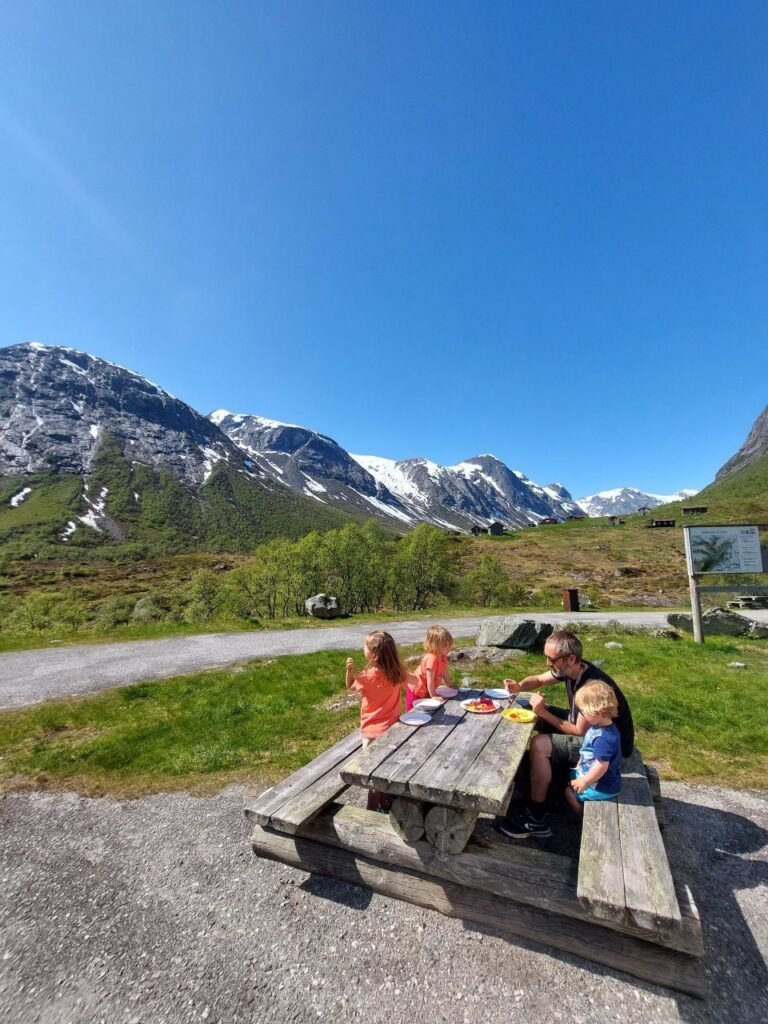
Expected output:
(591, 793)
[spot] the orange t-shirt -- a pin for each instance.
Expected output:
(438, 663)
(381, 702)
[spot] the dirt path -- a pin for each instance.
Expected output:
(28, 677)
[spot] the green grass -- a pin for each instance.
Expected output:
(696, 719)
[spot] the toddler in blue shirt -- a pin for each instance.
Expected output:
(598, 773)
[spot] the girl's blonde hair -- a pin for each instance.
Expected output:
(384, 655)
(597, 698)
(437, 639)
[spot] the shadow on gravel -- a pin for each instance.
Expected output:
(709, 849)
(357, 897)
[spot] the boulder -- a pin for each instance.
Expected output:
(718, 622)
(491, 655)
(322, 606)
(511, 632)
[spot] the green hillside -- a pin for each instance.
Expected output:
(629, 562)
(230, 512)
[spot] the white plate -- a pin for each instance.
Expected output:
(427, 704)
(497, 694)
(415, 718)
(470, 700)
(446, 691)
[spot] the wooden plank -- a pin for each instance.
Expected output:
(306, 804)
(488, 784)
(271, 800)
(358, 768)
(441, 773)
(641, 959)
(654, 782)
(394, 774)
(601, 869)
(648, 887)
(530, 876)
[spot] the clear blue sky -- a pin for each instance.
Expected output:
(434, 228)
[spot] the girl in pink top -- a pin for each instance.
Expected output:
(380, 684)
(434, 666)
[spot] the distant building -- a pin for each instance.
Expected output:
(576, 515)
(662, 522)
(613, 520)
(477, 530)
(496, 529)
(549, 521)
(694, 510)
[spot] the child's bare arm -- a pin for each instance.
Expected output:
(350, 674)
(595, 773)
(577, 728)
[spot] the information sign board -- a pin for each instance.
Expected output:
(723, 549)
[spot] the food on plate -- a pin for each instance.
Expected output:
(523, 715)
(481, 704)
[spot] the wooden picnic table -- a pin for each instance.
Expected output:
(445, 773)
(617, 904)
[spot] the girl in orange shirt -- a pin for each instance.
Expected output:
(380, 683)
(434, 666)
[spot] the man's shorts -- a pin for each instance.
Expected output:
(565, 749)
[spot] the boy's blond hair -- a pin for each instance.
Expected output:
(437, 639)
(597, 698)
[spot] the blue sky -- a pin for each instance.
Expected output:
(434, 228)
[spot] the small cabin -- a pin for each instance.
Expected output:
(576, 516)
(662, 522)
(549, 521)
(496, 529)
(694, 510)
(476, 531)
(613, 520)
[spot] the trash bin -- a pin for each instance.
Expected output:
(570, 600)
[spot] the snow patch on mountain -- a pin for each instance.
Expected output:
(619, 501)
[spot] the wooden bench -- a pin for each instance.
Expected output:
(624, 873)
(297, 799)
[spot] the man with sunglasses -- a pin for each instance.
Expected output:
(556, 745)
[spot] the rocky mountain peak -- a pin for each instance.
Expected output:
(56, 404)
(755, 446)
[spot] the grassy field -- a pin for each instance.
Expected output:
(696, 719)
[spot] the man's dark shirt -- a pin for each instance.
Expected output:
(623, 720)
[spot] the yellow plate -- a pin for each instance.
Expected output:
(522, 715)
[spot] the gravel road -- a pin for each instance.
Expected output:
(155, 911)
(28, 677)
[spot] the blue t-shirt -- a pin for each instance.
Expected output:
(602, 743)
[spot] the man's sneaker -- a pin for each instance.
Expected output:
(522, 826)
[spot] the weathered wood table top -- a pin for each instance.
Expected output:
(459, 759)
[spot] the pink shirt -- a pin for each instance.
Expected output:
(438, 663)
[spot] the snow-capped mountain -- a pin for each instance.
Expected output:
(151, 467)
(624, 500)
(310, 463)
(475, 492)
(56, 404)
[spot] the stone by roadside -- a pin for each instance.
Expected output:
(155, 911)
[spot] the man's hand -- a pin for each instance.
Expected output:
(579, 784)
(512, 686)
(537, 703)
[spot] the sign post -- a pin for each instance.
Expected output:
(718, 549)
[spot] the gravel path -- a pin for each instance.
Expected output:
(28, 677)
(156, 912)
